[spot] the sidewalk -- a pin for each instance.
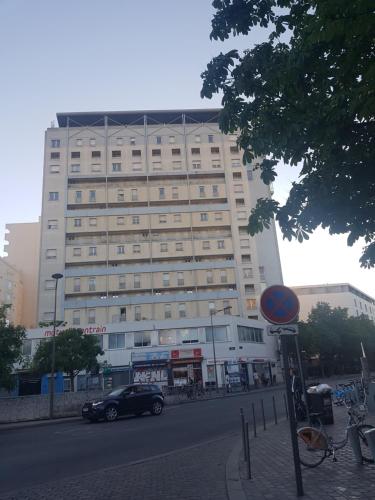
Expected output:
(273, 470)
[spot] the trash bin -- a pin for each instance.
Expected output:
(321, 402)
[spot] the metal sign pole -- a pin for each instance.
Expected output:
(292, 419)
(302, 376)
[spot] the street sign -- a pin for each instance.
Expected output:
(282, 329)
(279, 305)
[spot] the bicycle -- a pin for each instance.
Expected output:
(315, 445)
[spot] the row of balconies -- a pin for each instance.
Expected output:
(146, 250)
(150, 281)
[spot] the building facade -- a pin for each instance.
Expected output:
(341, 295)
(145, 215)
(11, 291)
(22, 249)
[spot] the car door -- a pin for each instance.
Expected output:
(141, 399)
(128, 400)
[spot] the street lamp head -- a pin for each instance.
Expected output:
(56, 276)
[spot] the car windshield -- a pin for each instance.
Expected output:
(117, 392)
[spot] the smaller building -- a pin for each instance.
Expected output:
(341, 295)
(11, 291)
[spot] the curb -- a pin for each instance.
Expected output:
(235, 490)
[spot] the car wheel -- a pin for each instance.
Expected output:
(111, 414)
(157, 408)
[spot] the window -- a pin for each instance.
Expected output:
(240, 202)
(245, 243)
(116, 341)
(216, 164)
(215, 151)
(137, 313)
(196, 165)
(204, 217)
(77, 252)
(189, 335)
(176, 151)
(251, 304)
(79, 142)
(52, 224)
(237, 175)
(165, 279)
(223, 276)
(95, 154)
(182, 310)
(176, 165)
(53, 196)
(210, 139)
(75, 168)
(179, 246)
(49, 284)
(91, 316)
(227, 307)
(249, 334)
(120, 195)
(158, 139)
(218, 216)
(209, 277)
(135, 219)
(136, 248)
(92, 141)
(55, 143)
(180, 278)
(76, 317)
(161, 193)
(116, 154)
(134, 195)
(119, 141)
(162, 219)
(221, 244)
(120, 221)
(236, 162)
(55, 155)
(142, 339)
(136, 152)
(249, 289)
(156, 165)
(156, 152)
(132, 141)
(54, 169)
(177, 217)
(116, 167)
(78, 196)
(92, 284)
(245, 258)
(197, 138)
(164, 247)
(238, 188)
(122, 282)
(92, 251)
(234, 149)
(215, 190)
(202, 192)
(261, 273)
(77, 223)
(92, 222)
(172, 139)
(206, 245)
(220, 333)
(248, 272)
(75, 154)
(120, 249)
(195, 151)
(77, 285)
(175, 193)
(167, 314)
(137, 281)
(92, 196)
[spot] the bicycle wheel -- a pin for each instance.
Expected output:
(365, 449)
(312, 446)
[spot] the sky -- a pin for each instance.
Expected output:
(106, 55)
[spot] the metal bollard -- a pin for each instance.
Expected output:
(243, 435)
(354, 442)
(254, 421)
(274, 409)
(370, 436)
(248, 450)
(263, 417)
(286, 407)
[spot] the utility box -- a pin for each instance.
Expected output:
(321, 403)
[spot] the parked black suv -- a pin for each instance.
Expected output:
(131, 399)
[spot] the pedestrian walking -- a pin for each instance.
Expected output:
(227, 383)
(256, 379)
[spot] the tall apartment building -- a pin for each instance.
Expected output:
(145, 214)
(22, 249)
(341, 295)
(11, 291)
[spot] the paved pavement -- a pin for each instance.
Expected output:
(273, 472)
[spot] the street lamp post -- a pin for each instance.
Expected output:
(56, 277)
(212, 312)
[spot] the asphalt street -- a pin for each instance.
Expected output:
(36, 455)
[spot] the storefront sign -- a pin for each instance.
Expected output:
(86, 331)
(186, 353)
(150, 356)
